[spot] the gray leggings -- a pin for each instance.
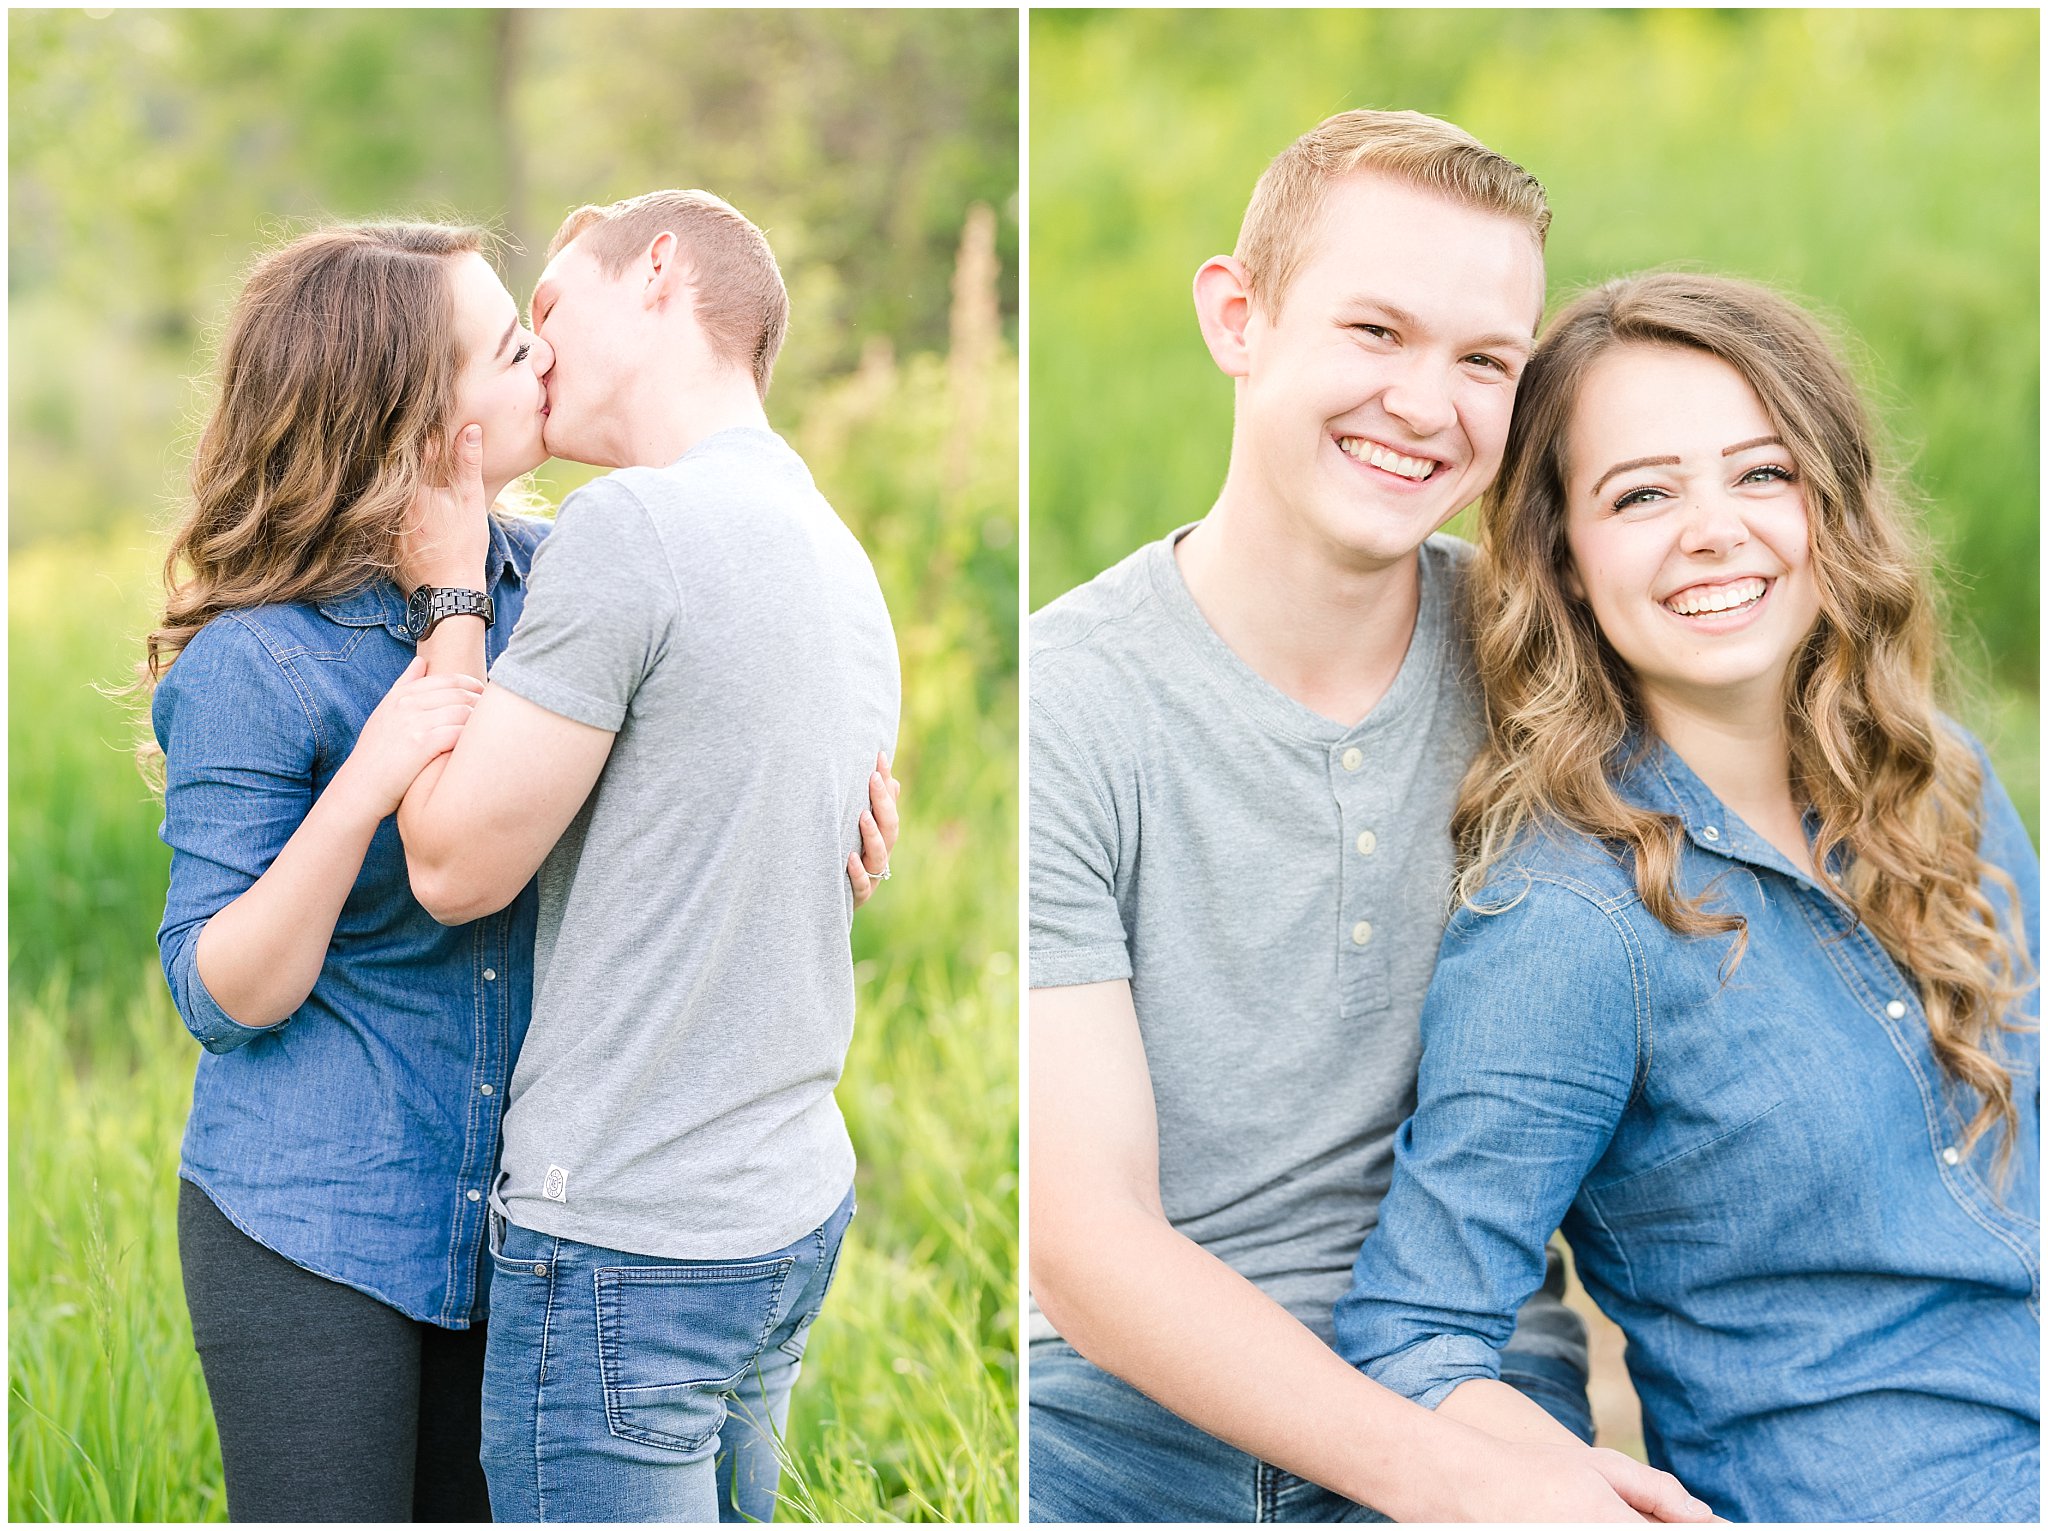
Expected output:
(331, 1405)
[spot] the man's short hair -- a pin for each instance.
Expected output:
(741, 301)
(1422, 151)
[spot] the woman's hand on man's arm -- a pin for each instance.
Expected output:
(1149, 1305)
(260, 955)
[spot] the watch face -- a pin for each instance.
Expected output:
(428, 604)
(419, 612)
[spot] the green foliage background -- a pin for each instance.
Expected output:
(151, 154)
(1881, 165)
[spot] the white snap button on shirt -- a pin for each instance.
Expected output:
(1896, 1009)
(476, 1196)
(1710, 833)
(1950, 1156)
(1353, 759)
(1367, 840)
(486, 1089)
(490, 975)
(1361, 932)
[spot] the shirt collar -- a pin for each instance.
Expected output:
(377, 602)
(1650, 774)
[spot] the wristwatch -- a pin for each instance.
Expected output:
(431, 603)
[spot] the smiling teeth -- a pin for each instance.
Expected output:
(1714, 598)
(1416, 468)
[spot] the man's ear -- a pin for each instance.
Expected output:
(664, 269)
(1223, 307)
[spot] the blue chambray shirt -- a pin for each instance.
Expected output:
(1833, 1313)
(358, 1137)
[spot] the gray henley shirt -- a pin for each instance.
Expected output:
(693, 982)
(1274, 885)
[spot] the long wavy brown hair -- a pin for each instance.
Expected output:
(1896, 791)
(336, 384)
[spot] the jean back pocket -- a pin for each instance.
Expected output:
(672, 1340)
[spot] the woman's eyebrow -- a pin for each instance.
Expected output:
(1641, 462)
(505, 339)
(1672, 462)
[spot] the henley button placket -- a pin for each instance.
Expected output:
(1366, 983)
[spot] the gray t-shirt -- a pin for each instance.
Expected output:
(1273, 884)
(693, 983)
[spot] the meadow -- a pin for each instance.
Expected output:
(908, 1406)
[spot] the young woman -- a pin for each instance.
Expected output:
(344, 1125)
(1739, 990)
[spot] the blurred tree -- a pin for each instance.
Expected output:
(858, 139)
(153, 153)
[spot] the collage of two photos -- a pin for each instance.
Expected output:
(503, 500)
(1056, 765)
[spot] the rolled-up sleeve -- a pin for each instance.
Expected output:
(239, 749)
(1530, 1045)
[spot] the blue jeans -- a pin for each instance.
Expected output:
(1102, 1451)
(628, 1387)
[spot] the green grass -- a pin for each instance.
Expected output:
(107, 1415)
(908, 1405)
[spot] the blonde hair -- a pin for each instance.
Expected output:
(1892, 785)
(1421, 151)
(337, 377)
(740, 299)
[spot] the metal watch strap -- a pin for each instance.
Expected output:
(430, 605)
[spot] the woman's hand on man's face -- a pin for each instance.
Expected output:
(447, 534)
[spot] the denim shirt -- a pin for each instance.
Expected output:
(356, 1138)
(1832, 1311)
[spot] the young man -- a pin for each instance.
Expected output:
(1245, 741)
(681, 737)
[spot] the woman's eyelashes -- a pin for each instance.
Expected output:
(1764, 474)
(1768, 473)
(521, 352)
